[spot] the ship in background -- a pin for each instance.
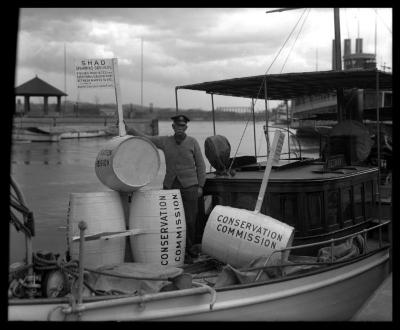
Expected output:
(310, 113)
(313, 116)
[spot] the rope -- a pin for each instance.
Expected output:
(241, 138)
(384, 23)
(298, 34)
(262, 84)
(69, 267)
(265, 75)
(66, 267)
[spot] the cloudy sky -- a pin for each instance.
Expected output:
(187, 45)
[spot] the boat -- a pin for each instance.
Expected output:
(34, 134)
(55, 134)
(338, 253)
(341, 250)
(84, 134)
(75, 131)
(314, 115)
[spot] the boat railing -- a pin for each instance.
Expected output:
(330, 242)
(292, 136)
(141, 300)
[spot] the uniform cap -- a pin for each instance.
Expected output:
(180, 119)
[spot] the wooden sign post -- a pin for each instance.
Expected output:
(101, 73)
(121, 124)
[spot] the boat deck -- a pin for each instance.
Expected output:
(305, 172)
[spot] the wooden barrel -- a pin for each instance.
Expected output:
(236, 236)
(102, 212)
(127, 163)
(159, 218)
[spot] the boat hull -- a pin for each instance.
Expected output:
(26, 135)
(83, 134)
(332, 295)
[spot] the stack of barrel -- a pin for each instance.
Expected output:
(155, 218)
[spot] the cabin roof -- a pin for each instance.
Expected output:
(293, 85)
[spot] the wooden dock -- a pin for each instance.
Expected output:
(379, 307)
(54, 128)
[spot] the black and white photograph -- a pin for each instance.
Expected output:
(207, 164)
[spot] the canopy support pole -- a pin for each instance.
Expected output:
(213, 112)
(176, 99)
(254, 128)
(378, 146)
(288, 126)
(266, 115)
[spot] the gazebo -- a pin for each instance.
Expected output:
(38, 87)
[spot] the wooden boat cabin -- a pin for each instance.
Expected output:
(324, 198)
(318, 203)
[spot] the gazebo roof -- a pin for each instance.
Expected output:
(37, 87)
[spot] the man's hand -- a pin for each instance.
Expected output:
(199, 191)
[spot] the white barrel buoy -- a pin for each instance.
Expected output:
(237, 236)
(102, 212)
(127, 163)
(158, 217)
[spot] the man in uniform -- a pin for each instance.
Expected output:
(185, 170)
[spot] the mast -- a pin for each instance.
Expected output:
(375, 37)
(338, 64)
(65, 77)
(141, 75)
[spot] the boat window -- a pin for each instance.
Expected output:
(314, 209)
(283, 207)
(368, 199)
(333, 207)
(387, 99)
(358, 202)
(346, 204)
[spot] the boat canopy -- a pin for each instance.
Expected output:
(293, 85)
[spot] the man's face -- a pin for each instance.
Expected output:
(179, 128)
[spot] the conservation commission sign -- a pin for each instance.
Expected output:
(94, 73)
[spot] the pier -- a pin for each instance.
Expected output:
(379, 307)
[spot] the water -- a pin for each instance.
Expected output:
(47, 172)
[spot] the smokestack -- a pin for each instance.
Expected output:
(358, 45)
(347, 47)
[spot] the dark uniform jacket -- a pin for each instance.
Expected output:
(183, 161)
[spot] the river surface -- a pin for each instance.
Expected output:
(47, 172)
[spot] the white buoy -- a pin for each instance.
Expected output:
(157, 218)
(103, 212)
(127, 163)
(237, 236)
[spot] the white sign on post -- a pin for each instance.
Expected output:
(101, 73)
(94, 73)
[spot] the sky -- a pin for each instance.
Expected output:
(161, 48)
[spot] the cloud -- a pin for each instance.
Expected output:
(188, 45)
